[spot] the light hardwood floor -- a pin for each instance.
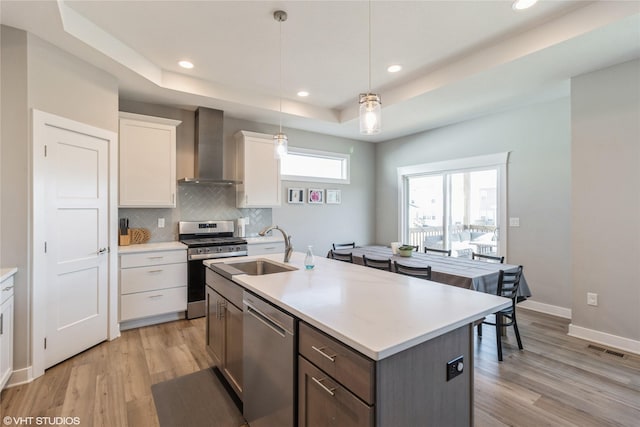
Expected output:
(556, 381)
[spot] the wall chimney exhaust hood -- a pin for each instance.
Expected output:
(209, 149)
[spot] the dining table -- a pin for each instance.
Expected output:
(467, 273)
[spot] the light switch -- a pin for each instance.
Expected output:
(514, 222)
(160, 222)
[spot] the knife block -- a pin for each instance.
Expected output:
(125, 239)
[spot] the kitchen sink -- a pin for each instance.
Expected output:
(260, 267)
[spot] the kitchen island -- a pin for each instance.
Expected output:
(414, 336)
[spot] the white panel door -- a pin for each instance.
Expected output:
(76, 223)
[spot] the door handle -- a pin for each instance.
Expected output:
(102, 251)
(331, 391)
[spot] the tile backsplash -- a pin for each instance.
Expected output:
(196, 203)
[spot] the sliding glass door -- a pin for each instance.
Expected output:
(457, 209)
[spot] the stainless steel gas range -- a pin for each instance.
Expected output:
(206, 240)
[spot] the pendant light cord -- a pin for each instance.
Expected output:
(280, 76)
(369, 46)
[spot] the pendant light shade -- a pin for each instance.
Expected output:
(370, 114)
(370, 104)
(280, 140)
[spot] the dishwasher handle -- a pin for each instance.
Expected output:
(252, 311)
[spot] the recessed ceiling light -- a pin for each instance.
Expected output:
(303, 93)
(523, 4)
(394, 68)
(185, 64)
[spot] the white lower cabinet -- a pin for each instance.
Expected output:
(6, 331)
(265, 248)
(152, 283)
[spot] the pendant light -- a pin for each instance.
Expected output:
(370, 104)
(280, 140)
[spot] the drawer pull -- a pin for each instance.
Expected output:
(156, 296)
(320, 350)
(324, 387)
(155, 257)
(154, 271)
(8, 288)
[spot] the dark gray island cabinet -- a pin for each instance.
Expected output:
(338, 386)
(373, 348)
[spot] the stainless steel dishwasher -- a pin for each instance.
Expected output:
(269, 364)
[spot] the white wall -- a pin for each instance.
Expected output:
(605, 237)
(51, 80)
(538, 139)
(320, 225)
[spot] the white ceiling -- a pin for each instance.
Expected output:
(461, 59)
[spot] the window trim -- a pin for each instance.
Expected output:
(497, 160)
(346, 158)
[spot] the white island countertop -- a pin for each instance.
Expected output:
(376, 312)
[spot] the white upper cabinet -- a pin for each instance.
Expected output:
(258, 170)
(147, 161)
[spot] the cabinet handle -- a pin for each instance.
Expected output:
(154, 271)
(332, 358)
(324, 387)
(156, 296)
(1, 323)
(155, 257)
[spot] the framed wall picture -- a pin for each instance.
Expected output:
(316, 195)
(334, 197)
(295, 195)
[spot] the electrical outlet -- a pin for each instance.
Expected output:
(160, 222)
(455, 367)
(514, 222)
(592, 299)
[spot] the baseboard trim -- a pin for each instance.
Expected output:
(617, 342)
(553, 310)
(21, 376)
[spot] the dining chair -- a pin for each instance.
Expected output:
(346, 257)
(489, 258)
(340, 246)
(437, 251)
(407, 270)
(380, 264)
(508, 283)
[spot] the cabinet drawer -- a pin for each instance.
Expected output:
(324, 402)
(6, 289)
(265, 248)
(144, 259)
(142, 279)
(345, 365)
(224, 287)
(144, 304)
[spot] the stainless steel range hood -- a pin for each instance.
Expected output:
(209, 149)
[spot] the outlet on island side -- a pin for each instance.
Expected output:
(455, 367)
(592, 299)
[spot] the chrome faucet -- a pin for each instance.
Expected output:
(287, 240)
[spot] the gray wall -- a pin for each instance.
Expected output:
(605, 237)
(37, 75)
(538, 139)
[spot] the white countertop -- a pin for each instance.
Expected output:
(151, 247)
(5, 273)
(376, 312)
